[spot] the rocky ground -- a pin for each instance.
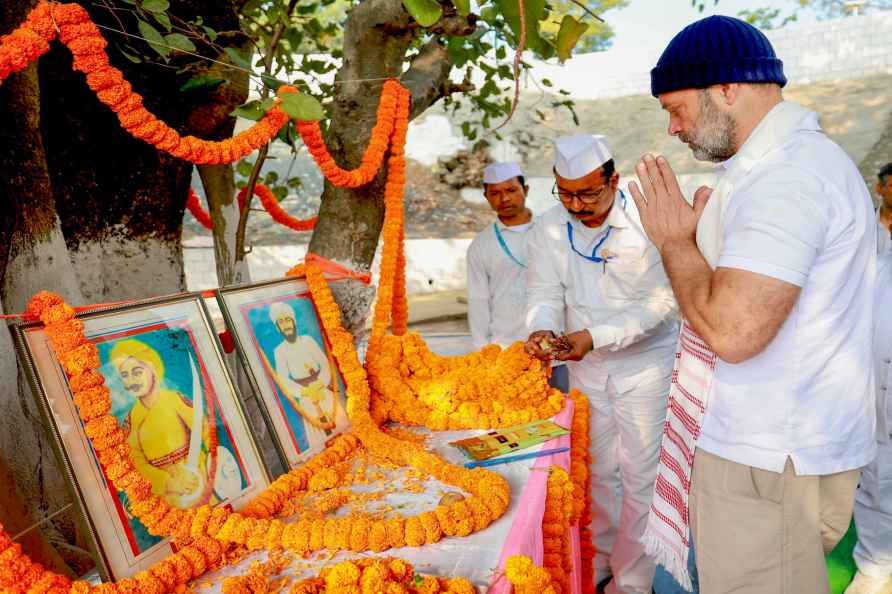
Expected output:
(855, 113)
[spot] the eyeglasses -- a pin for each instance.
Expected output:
(586, 197)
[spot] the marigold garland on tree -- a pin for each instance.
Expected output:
(71, 23)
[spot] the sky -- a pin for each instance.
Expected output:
(652, 23)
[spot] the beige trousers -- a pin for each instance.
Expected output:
(762, 532)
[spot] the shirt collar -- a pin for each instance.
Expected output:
(776, 127)
(514, 228)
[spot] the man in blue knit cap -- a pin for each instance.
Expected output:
(771, 407)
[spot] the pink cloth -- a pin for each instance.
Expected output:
(525, 536)
(667, 535)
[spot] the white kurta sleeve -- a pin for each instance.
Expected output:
(479, 314)
(280, 363)
(640, 319)
(545, 291)
(317, 356)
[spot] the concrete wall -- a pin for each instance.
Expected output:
(838, 49)
(431, 264)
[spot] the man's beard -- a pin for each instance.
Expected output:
(714, 133)
(290, 336)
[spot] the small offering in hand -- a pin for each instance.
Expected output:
(555, 346)
(451, 498)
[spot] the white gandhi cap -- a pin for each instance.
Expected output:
(499, 172)
(577, 156)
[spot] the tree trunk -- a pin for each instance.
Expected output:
(219, 186)
(34, 259)
(121, 202)
(213, 121)
(377, 37)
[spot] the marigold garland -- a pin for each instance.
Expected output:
(275, 210)
(556, 523)
(486, 389)
(382, 575)
(267, 199)
(527, 578)
(387, 121)
(209, 535)
(71, 23)
(580, 472)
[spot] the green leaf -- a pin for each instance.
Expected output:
(156, 41)
(280, 192)
(462, 6)
(155, 5)
(252, 110)
(271, 82)
(237, 58)
(212, 35)
(568, 36)
(535, 12)
(179, 42)
(163, 20)
(425, 12)
(267, 104)
(303, 107)
(294, 183)
(202, 81)
(244, 168)
(133, 58)
(271, 178)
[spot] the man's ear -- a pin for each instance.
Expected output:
(614, 180)
(729, 93)
(879, 188)
(526, 189)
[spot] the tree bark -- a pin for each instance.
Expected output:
(121, 202)
(377, 38)
(212, 121)
(34, 259)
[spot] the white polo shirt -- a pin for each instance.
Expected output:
(799, 212)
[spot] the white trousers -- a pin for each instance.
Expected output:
(626, 430)
(873, 515)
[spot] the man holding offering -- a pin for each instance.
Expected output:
(594, 274)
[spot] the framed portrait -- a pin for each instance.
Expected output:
(278, 335)
(172, 394)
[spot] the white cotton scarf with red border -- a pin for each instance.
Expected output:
(668, 532)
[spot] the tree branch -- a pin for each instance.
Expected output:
(428, 76)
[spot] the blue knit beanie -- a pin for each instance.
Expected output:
(716, 50)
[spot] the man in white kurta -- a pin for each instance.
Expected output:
(497, 268)
(304, 373)
(594, 274)
(873, 500)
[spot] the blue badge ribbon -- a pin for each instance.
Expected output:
(504, 246)
(594, 257)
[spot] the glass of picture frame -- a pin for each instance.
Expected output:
(156, 356)
(289, 363)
